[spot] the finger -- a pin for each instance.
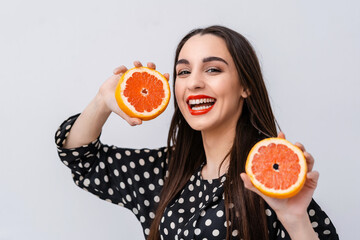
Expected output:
(312, 179)
(167, 76)
(135, 121)
(151, 65)
(281, 135)
(309, 161)
(137, 64)
(119, 70)
(299, 145)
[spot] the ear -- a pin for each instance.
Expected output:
(245, 93)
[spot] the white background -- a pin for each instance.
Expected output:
(55, 54)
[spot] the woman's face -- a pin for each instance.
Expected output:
(207, 86)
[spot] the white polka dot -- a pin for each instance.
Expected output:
(68, 127)
(105, 149)
(191, 187)
(132, 165)
(129, 181)
(314, 224)
(110, 160)
(161, 182)
(97, 181)
(116, 172)
(147, 231)
(106, 178)
(268, 212)
(146, 150)
(146, 203)
(156, 171)
(166, 231)
(75, 153)
(141, 162)
(137, 177)
(110, 191)
(192, 210)
(172, 225)
(235, 233)
(327, 232)
(208, 222)
(66, 163)
(87, 165)
(135, 211)
(200, 194)
(86, 182)
(181, 220)
(137, 151)
(102, 165)
(192, 199)
(151, 187)
(142, 219)
(327, 221)
(197, 231)
(151, 159)
(186, 232)
(157, 199)
(311, 212)
(128, 198)
(124, 168)
(151, 215)
(181, 200)
(181, 210)
(141, 190)
(282, 234)
(146, 175)
(215, 233)
(220, 213)
(62, 154)
(122, 185)
(118, 155)
(127, 153)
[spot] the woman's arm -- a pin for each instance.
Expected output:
(292, 212)
(90, 122)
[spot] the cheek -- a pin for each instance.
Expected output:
(179, 93)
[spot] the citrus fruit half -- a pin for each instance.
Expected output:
(276, 167)
(143, 93)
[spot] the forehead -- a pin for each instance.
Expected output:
(201, 46)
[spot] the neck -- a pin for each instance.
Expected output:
(217, 145)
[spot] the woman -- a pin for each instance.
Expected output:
(196, 188)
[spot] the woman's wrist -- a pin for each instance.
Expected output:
(298, 226)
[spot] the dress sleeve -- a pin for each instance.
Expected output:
(320, 222)
(132, 178)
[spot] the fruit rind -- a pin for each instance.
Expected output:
(294, 189)
(126, 106)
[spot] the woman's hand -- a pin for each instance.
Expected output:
(107, 91)
(291, 210)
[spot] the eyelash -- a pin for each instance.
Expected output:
(210, 70)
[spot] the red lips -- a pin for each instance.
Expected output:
(200, 104)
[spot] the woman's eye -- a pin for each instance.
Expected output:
(211, 70)
(183, 72)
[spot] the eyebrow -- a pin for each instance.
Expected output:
(207, 59)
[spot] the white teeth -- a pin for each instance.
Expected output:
(201, 107)
(200, 101)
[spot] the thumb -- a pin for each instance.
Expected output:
(248, 184)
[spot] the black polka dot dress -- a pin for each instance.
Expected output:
(133, 178)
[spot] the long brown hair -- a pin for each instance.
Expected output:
(244, 209)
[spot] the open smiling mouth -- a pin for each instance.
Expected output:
(200, 104)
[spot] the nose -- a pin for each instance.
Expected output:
(195, 81)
